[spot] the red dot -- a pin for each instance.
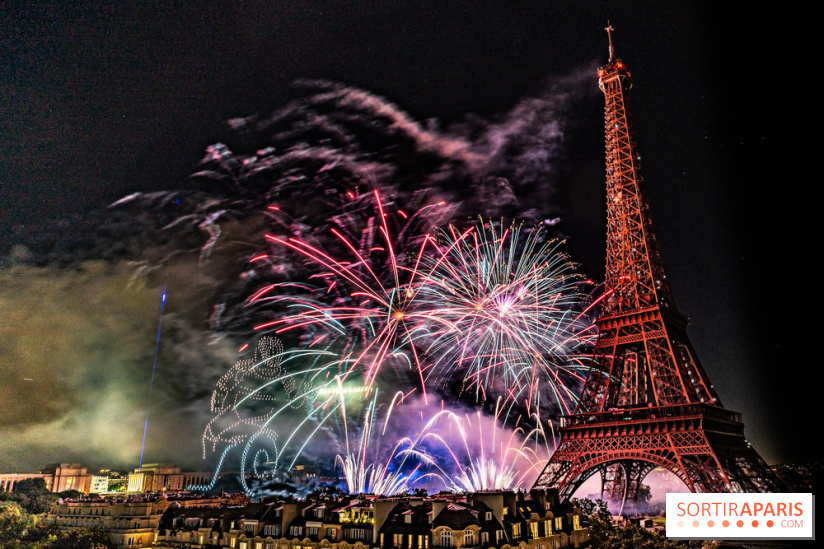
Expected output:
(725, 523)
(710, 523)
(754, 523)
(740, 523)
(695, 524)
(770, 524)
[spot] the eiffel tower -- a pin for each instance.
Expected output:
(647, 401)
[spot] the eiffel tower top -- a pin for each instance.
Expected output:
(614, 68)
(635, 278)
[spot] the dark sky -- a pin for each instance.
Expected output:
(97, 102)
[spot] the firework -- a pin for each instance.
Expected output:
(505, 312)
(479, 457)
(493, 310)
(359, 306)
(364, 472)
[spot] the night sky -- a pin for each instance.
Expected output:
(100, 102)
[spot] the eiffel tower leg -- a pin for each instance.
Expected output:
(614, 483)
(622, 482)
(748, 472)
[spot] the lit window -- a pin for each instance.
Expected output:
(446, 538)
(469, 538)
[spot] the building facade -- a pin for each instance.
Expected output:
(58, 478)
(155, 477)
(131, 521)
(481, 520)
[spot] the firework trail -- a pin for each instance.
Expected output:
(364, 472)
(253, 400)
(249, 400)
(479, 456)
(363, 304)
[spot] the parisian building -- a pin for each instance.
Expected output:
(499, 519)
(131, 521)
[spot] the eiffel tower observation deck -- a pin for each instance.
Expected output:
(647, 402)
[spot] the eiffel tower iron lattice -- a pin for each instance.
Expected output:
(647, 402)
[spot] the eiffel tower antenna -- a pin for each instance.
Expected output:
(609, 30)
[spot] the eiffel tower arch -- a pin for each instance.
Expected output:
(647, 401)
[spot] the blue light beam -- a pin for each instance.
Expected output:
(151, 382)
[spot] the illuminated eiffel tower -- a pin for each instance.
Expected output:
(647, 402)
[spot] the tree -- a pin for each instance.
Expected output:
(71, 494)
(33, 495)
(604, 534)
(15, 523)
(80, 538)
(20, 530)
(31, 487)
(325, 491)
